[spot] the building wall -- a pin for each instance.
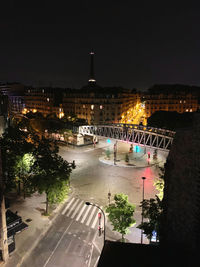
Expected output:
(107, 105)
(172, 102)
(15, 93)
(182, 190)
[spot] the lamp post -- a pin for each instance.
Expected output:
(104, 232)
(115, 153)
(109, 196)
(143, 178)
(73, 166)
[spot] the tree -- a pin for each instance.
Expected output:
(120, 214)
(23, 171)
(151, 210)
(159, 183)
(52, 172)
(14, 144)
(108, 153)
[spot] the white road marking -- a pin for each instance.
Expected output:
(91, 215)
(96, 261)
(77, 209)
(80, 213)
(57, 245)
(63, 212)
(84, 217)
(71, 209)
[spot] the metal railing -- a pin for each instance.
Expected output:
(142, 135)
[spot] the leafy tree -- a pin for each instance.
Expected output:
(120, 214)
(23, 172)
(151, 210)
(159, 183)
(52, 172)
(14, 145)
(108, 153)
(170, 120)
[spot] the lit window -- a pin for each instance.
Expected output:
(92, 107)
(180, 101)
(191, 110)
(83, 106)
(101, 107)
(47, 99)
(186, 110)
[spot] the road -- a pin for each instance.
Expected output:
(72, 240)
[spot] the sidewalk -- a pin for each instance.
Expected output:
(31, 210)
(135, 161)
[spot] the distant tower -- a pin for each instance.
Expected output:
(91, 77)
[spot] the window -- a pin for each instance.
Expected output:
(92, 107)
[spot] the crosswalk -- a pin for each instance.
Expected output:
(77, 210)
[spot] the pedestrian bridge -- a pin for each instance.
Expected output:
(134, 134)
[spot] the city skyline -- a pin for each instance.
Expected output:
(136, 46)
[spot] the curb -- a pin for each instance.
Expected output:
(127, 166)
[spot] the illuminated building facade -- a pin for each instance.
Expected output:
(44, 100)
(106, 105)
(173, 97)
(101, 105)
(170, 102)
(16, 97)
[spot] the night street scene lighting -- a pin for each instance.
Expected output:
(99, 97)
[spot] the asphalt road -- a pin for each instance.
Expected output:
(72, 240)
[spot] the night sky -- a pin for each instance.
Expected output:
(136, 45)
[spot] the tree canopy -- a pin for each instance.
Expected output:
(14, 145)
(170, 120)
(51, 172)
(120, 214)
(35, 164)
(152, 210)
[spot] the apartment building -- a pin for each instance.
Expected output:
(16, 94)
(44, 100)
(99, 105)
(170, 102)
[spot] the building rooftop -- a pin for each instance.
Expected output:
(117, 254)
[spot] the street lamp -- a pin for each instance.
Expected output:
(73, 166)
(143, 178)
(104, 232)
(109, 196)
(115, 153)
